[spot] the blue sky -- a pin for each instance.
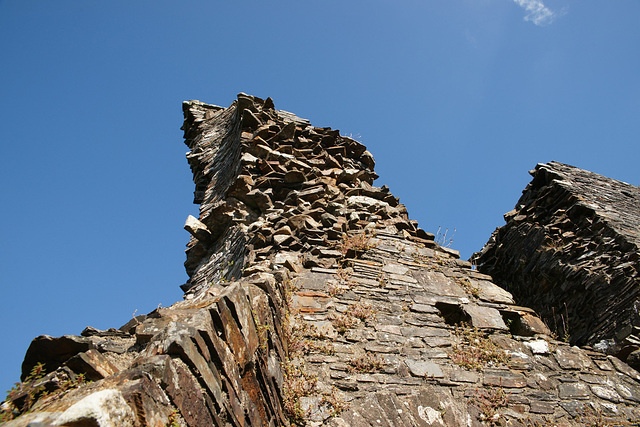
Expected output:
(456, 100)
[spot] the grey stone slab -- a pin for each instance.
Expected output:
(402, 278)
(432, 299)
(366, 411)
(462, 376)
(437, 283)
(537, 407)
(390, 339)
(376, 348)
(542, 395)
(544, 382)
(538, 346)
(394, 408)
(392, 329)
(437, 341)
(606, 392)
(414, 342)
(491, 292)
(324, 270)
(628, 392)
(393, 268)
(593, 379)
(330, 253)
(425, 332)
(573, 407)
(365, 378)
(316, 281)
(424, 368)
(504, 379)
(573, 391)
(624, 368)
(603, 365)
(423, 308)
(365, 281)
(485, 317)
(571, 358)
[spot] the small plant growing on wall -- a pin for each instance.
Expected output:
(342, 322)
(173, 418)
(476, 350)
(298, 382)
(469, 288)
(489, 401)
(362, 311)
(9, 410)
(33, 392)
(301, 338)
(335, 401)
(344, 282)
(443, 238)
(564, 321)
(353, 245)
(366, 363)
(262, 330)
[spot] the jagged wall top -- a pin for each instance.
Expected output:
(617, 202)
(254, 168)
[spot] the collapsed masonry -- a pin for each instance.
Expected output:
(571, 250)
(314, 300)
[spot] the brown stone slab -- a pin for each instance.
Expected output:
(186, 394)
(93, 364)
(573, 391)
(504, 379)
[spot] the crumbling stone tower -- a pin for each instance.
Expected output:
(313, 299)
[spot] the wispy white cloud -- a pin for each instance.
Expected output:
(537, 12)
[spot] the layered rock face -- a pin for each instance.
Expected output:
(571, 250)
(313, 299)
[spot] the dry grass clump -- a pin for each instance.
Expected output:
(354, 314)
(489, 401)
(366, 363)
(476, 350)
(353, 244)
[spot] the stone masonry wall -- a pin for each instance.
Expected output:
(313, 300)
(571, 250)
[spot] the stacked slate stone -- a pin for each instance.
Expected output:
(571, 250)
(267, 181)
(314, 300)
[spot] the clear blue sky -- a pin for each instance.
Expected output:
(456, 100)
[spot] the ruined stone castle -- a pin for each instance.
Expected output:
(313, 299)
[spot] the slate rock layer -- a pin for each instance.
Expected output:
(314, 300)
(571, 250)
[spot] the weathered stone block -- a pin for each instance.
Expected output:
(573, 391)
(485, 317)
(53, 352)
(91, 363)
(424, 368)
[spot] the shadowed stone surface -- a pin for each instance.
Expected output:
(571, 250)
